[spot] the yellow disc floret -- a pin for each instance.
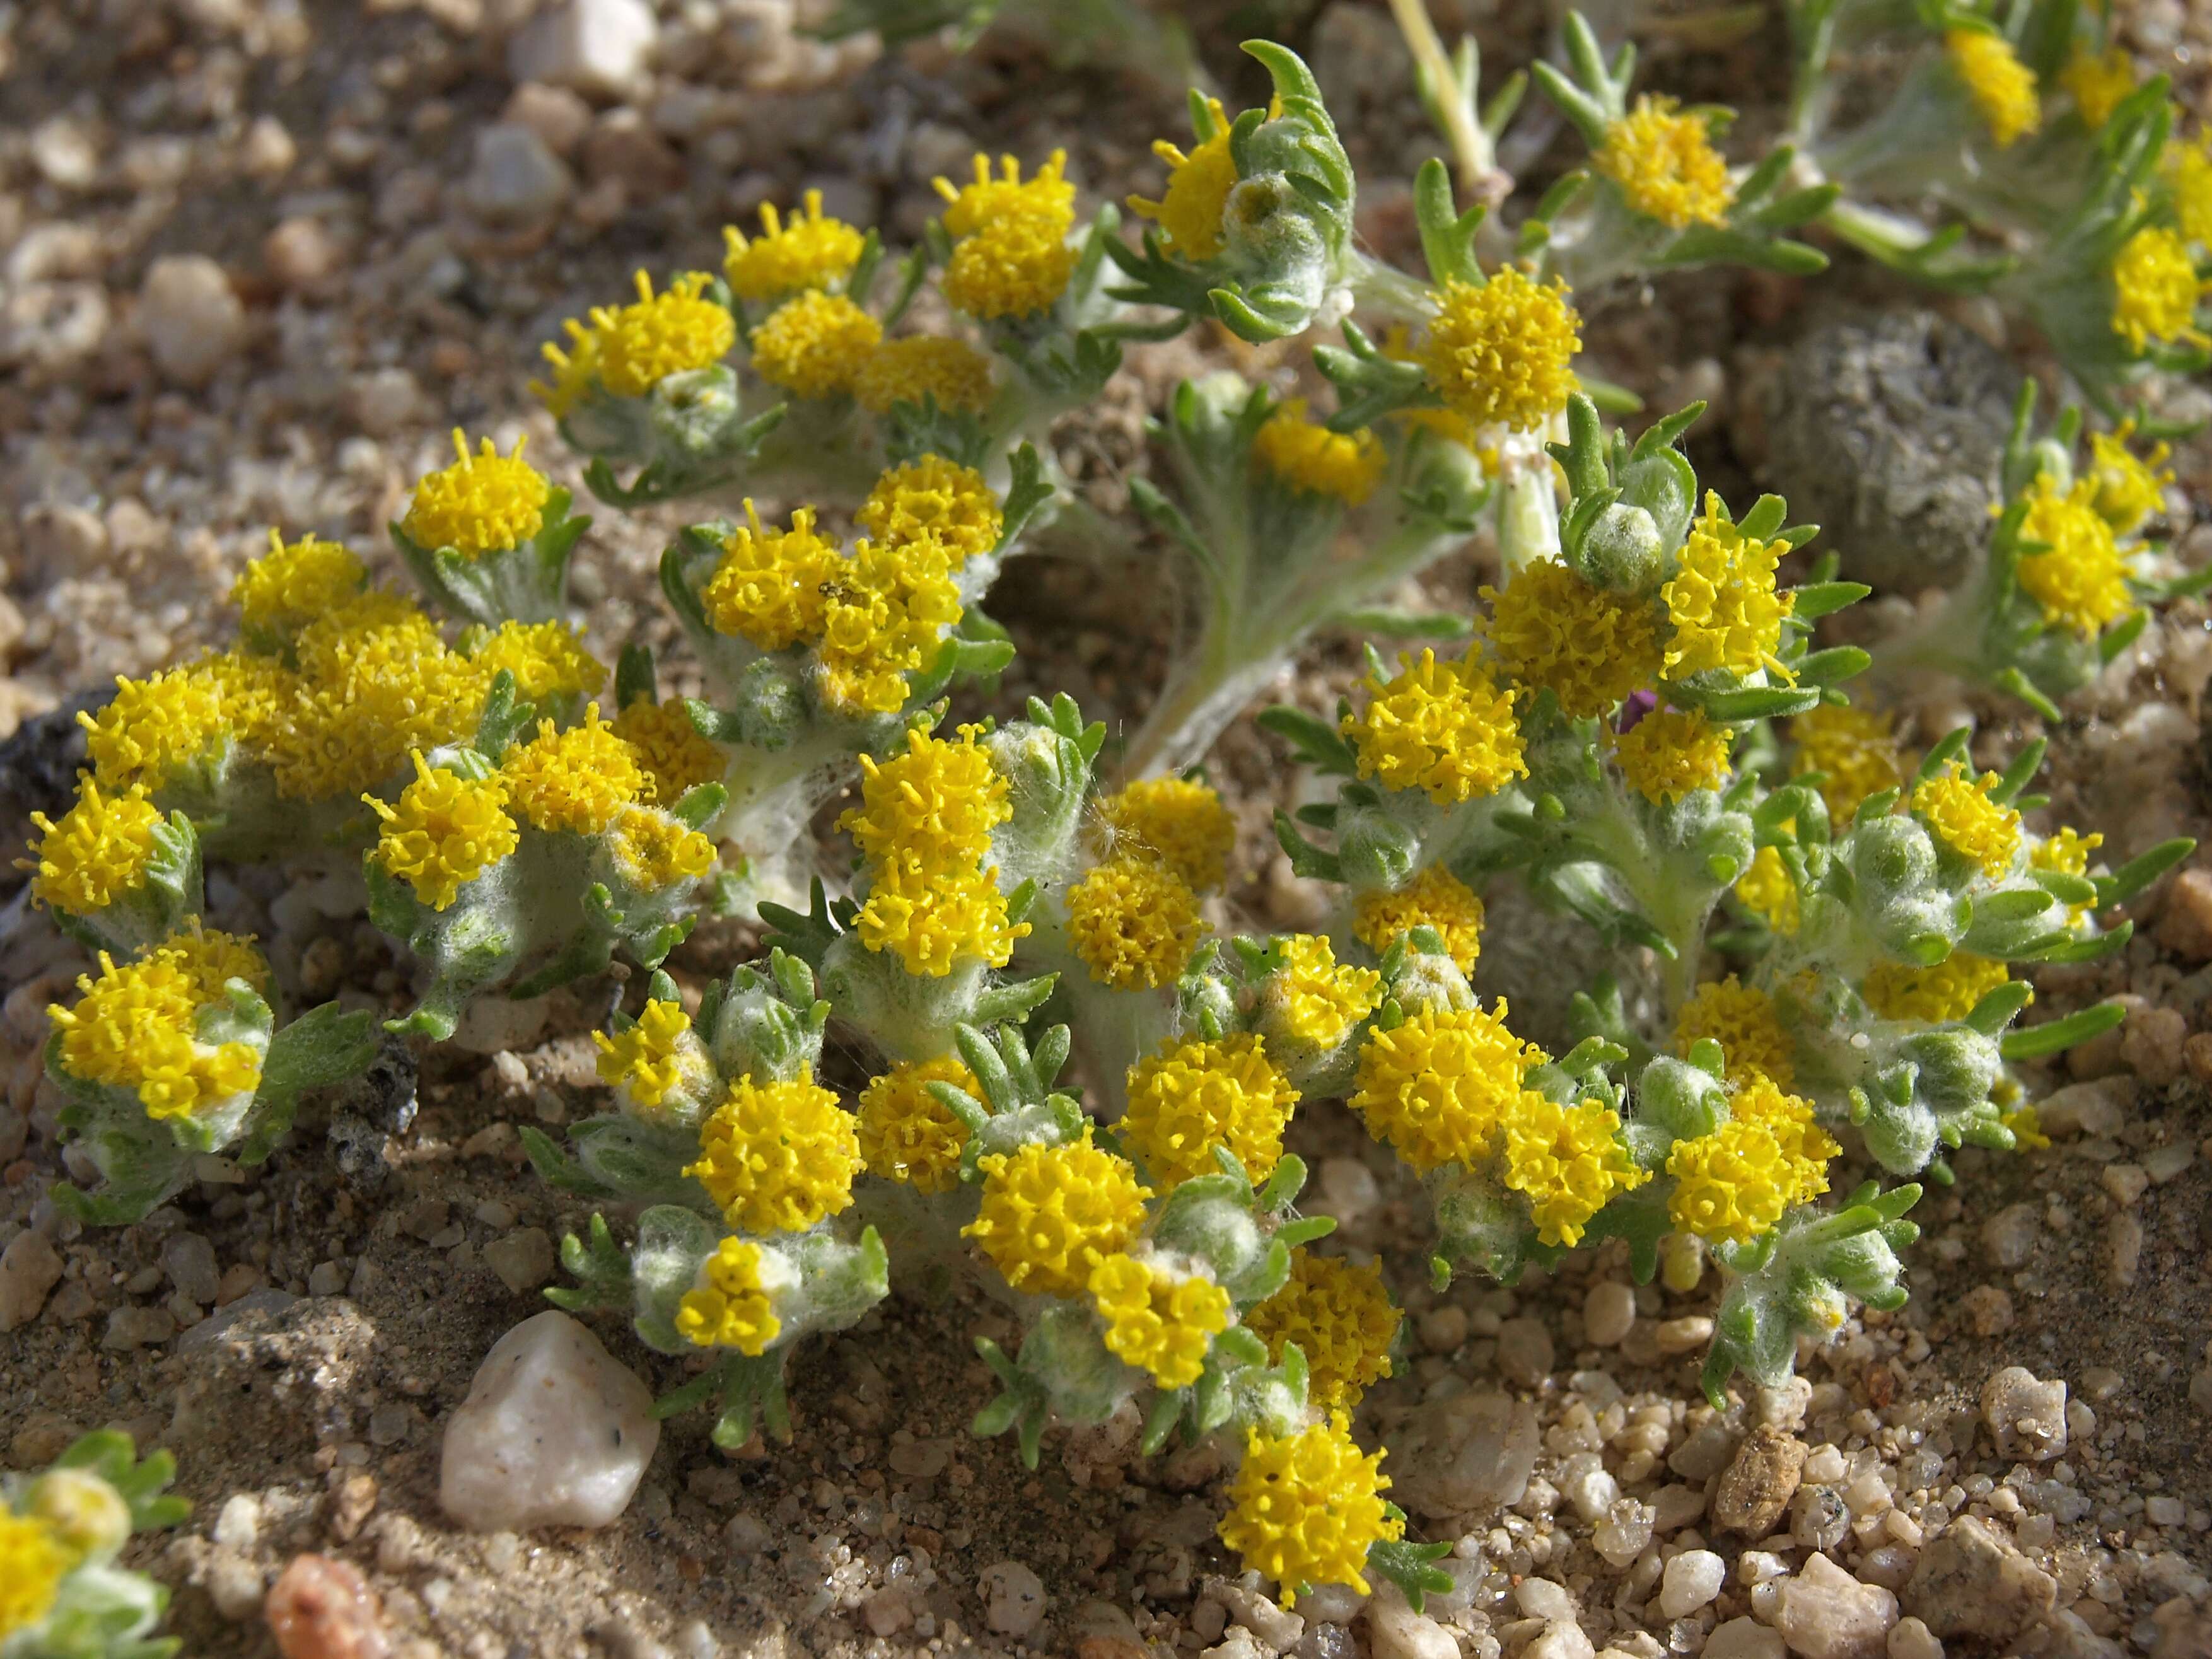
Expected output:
(727, 1307)
(1050, 1215)
(1443, 729)
(651, 1057)
(1134, 922)
(484, 503)
(1742, 1019)
(1554, 632)
(1196, 1095)
(1342, 1320)
(1806, 1147)
(1947, 991)
(1666, 165)
(293, 583)
(2130, 489)
(574, 369)
(810, 251)
(655, 851)
(2000, 86)
(937, 502)
(547, 659)
(1504, 352)
(888, 611)
(778, 1157)
(2188, 168)
(1568, 1161)
(936, 803)
(925, 369)
(2067, 852)
(137, 1027)
(1853, 750)
(1731, 1186)
(1303, 454)
(769, 588)
(1046, 196)
(153, 729)
(32, 1564)
(1179, 821)
(1314, 1000)
(1189, 211)
(642, 343)
(1960, 812)
(676, 759)
(1767, 890)
(1722, 601)
(579, 779)
(1669, 754)
(1157, 1322)
(815, 344)
(2156, 290)
(1439, 1087)
(1434, 898)
(909, 1134)
(1013, 267)
(2098, 82)
(2078, 578)
(98, 852)
(935, 917)
(1306, 1508)
(445, 832)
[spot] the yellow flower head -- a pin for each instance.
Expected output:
(1504, 352)
(1313, 999)
(1854, 749)
(1445, 728)
(375, 686)
(1805, 1145)
(815, 344)
(768, 588)
(921, 368)
(936, 502)
(811, 250)
(2000, 86)
(1306, 1508)
(1305, 455)
(136, 1026)
(887, 614)
(935, 917)
(937, 804)
(574, 370)
(2066, 851)
(579, 779)
(1045, 198)
(1722, 601)
(33, 1564)
(1440, 1087)
(293, 583)
(1179, 821)
(2079, 579)
(778, 1157)
(1667, 754)
(1157, 1322)
(1015, 266)
(1434, 898)
(727, 1306)
(2130, 489)
(1666, 165)
(446, 831)
(1195, 1095)
(98, 852)
(1134, 922)
(655, 851)
(2189, 171)
(2156, 290)
(652, 1058)
(907, 1133)
(1050, 1215)
(484, 503)
(1731, 1185)
(1958, 813)
(153, 728)
(1742, 1019)
(2098, 82)
(1554, 632)
(664, 742)
(2027, 1126)
(256, 694)
(1767, 890)
(1946, 991)
(642, 343)
(1189, 211)
(547, 659)
(1342, 1320)
(1568, 1161)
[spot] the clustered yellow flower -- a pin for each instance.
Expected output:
(1159, 1321)
(2130, 489)
(1304, 454)
(933, 502)
(1503, 352)
(1439, 1087)
(812, 251)
(668, 748)
(1434, 898)
(2098, 82)
(924, 368)
(1190, 209)
(1554, 632)
(767, 588)
(1181, 822)
(637, 346)
(1445, 728)
(778, 1157)
(1722, 601)
(1959, 812)
(547, 659)
(484, 503)
(815, 345)
(1568, 1162)
(1193, 1096)
(1666, 165)
(1736, 1184)
(907, 1133)
(1313, 1001)
(2156, 290)
(1049, 1215)
(1947, 991)
(1132, 922)
(2066, 851)
(652, 1059)
(729, 1307)
(137, 1027)
(445, 831)
(2000, 86)
(1743, 1019)
(1668, 753)
(1342, 1321)
(1010, 256)
(1306, 1508)
(2188, 168)
(32, 1564)
(578, 781)
(97, 853)
(2077, 577)
(294, 584)
(1768, 890)
(1854, 751)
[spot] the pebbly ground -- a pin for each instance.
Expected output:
(257, 265)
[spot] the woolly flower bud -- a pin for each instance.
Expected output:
(89, 1517)
(1341, 1318)
(1443, 729)
(1133, 923)
(729, 1305)
(1552, 631)
(779, 1156)
(815, 344)
(1568, 1161)
(1179, 821)
(1722, 600)
(1623, 550)
(907, 1133)
(1050, 1215)
(1438, 1087)
(98, 852)
(445, 832)
(484, 503)
(1742, 1019)
(1668, 755)
(1503, 352)
(1435, 898)
(1666, 165)
(1158, 1321)
(810, 251)
(1306, 1508)
(1193, 1096)
(1959, 813)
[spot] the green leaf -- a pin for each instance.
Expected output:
(1818, 599)
(2054, 1036)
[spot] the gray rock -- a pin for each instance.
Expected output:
(1828, 1614)
(188, 1259)
(1887, 430)
(2026, 1416)
(1972, 1582)
(1012, 1597)
(515, 178)
(1471, 1451)
(30, 1268)
(588, 45)
(192, 319)
(523, 1259)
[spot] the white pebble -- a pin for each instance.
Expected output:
(591, 45)
(1692, 1579)
(192, 317)
(515, 178)
(1825, 1614)
(1608, 1312)
(2027, 1417)
(1744, 1638)
(1013, 1598)
(1911, 1639)
(1540, 1598)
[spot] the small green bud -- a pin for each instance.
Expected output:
(1622, 551)
(692, 413)
(89, 1517)
(1682, 1099)
(1374, 848)
(1065, 1351)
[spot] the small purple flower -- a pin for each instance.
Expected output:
(1639, 704)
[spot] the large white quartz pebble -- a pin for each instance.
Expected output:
(555, 1432)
